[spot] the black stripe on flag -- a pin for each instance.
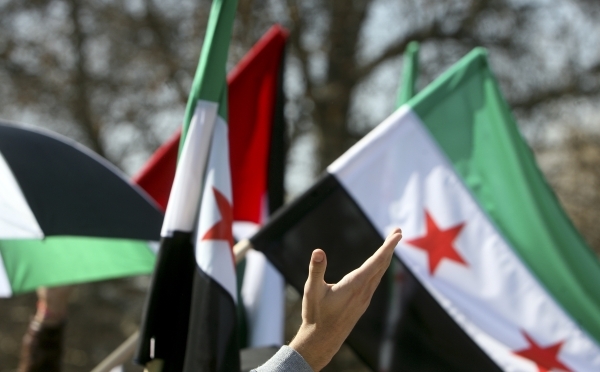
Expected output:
(167, 310)
(278, 146)
(60, 179)
(326, 216)
(183, 298)
(213, 345)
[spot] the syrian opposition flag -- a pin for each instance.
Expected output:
(497, 277)
(257, 158)
(410, 74)
(190, 317)
(67, 216)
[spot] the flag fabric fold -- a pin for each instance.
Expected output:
(212, 339)
(67, 216)
(190, 318)
(496, 276)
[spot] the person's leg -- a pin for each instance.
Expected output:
(42, 344)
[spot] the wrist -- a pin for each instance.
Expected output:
(316, 350)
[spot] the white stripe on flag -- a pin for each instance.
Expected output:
(244, 229)
(16, 218)
(397, 174)
(182, 208)
(215, 256)
(263, 292)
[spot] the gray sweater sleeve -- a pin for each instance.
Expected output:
(285, 360)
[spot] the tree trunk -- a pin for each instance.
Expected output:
(332, 100)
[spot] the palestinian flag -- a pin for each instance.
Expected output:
(67, 216)
(257, 157)
(156, 176)
(194, 284)
(497, 277)
(257, 151)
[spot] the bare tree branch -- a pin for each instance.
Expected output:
(396, 49)
(152, 20)
(296, 42)
(80, 100)
(546, 96)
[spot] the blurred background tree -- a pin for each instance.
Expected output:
(114, 75)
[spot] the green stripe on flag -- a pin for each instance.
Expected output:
(483, 142)
(210, 79)
(410, 73)
(84, 259)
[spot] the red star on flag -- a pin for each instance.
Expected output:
(546, 358)
(222, 229)
(438, 243)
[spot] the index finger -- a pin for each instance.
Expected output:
(380, 260)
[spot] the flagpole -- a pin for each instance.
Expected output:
(125, 351)
(120, 355)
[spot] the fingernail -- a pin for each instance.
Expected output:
(318, 256)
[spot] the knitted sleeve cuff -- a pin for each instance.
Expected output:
(285, 360)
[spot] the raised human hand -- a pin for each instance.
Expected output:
(330, 311)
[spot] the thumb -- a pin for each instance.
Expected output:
(316, 270)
